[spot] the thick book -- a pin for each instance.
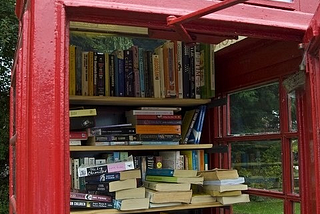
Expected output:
(106, 168)
(169, 196)
(202, 198)
(90, 204)
(131, 204)
(162, 186)
(128, 73)
(84, 78)
(114, 176)
(155, 122)
(82, 112)
(80, 123)
(227, 193)
(239, 180)
(169, 204)
(186, 122)
(158, 129)
(139, 192)
(170, 159)
(234, 199)
(124, 184)
(225, 188)
(172, 172)
(78, 135)
(219, 174)
(100, 77)
(189, 180)
(90, 197)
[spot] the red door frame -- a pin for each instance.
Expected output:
(39, 173)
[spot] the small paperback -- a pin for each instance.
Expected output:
(90, 204)
(234, 181)
(90, 197)
(131, 204)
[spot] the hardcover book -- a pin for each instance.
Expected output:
(131, 204)
(162, 186)
(90, 204)
(169, 196)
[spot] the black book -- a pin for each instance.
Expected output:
(90, 204)
(78, 123)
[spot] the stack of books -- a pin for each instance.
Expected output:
(156, 125)
(80, 121)
(225, 185)
(170, 187)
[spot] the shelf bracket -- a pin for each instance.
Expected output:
(176, 22)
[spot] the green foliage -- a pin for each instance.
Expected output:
(8, 38)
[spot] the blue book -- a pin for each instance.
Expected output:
(161, 172)
(195, 134)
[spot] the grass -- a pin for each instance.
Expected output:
(266, 206)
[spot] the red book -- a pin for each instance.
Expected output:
(78, 135)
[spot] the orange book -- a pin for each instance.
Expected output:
(158, 129)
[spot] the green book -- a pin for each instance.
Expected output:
(173, 179)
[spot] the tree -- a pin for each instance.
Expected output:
(8, 38)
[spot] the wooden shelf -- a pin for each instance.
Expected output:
(180, 207)
(135, 101)
(139, 147)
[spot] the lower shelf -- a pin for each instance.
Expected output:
(180, 207)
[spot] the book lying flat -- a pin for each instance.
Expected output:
(121, 185)
(90, 204)
(90, 197)
(114, 176)
(161, 186)
(172, 172)
(203, 198)
(239, 180)
(190, 180)
(169, 204)
(166, 197)
(82, 112)
(130, 193)
(131, 204)
(219, 174)
(227, 193)
(234, 199)
(224, 188)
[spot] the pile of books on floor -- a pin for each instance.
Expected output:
(114, 185)
(170, 187)
(225, 185)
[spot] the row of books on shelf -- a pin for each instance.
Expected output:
(173, 69)
(146, 126)
(125, 189)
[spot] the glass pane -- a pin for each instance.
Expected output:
(261, 205)
(297, 209)
(259, 162)
(295, 167)
(255, 111)
(293, 126)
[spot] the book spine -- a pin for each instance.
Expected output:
(159, 172)
(90, 73)
(156, 76)
(112, 75)
(195, 115)
(121, 73)
(150, 112)
(179, 78)
(84, 73)
(158, 129)
(171, 67)
(107, 74)
(115, 138)
(146, 74)
(78, 135)
(76, 165)
(159, 52)
(212, 73)
(106, 177)
(159, 137)
(128, 73)
(90, 197)
(78, 71)
(95, 73)
(197, 71)
(158, 122)
(100, 86)
(78, 123)
(204, 70)
(150, 73)
(157, 117)
(192, 72)
(72, 69)
(82, 112)
(90, 204)
(186, 70)
(141, 71)
(92, 170)
(158, 178)
(135, 58)
(106, 131)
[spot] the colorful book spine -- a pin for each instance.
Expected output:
(121, 73)
(179, 69)
(197, 71)
(160, 172)
(157, 122)
(130, 137)
(82, 112)
(155, 117)
(105, 177)
(159, 137)
(90, 204)
(100, 85)
(90, 197)
(158, 129)
(112, 75)
(90, 73)
(108, 131)
(186, 70)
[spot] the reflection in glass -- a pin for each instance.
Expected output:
(259, 162)
(293, 126)
(295, 165)
(255, 111)
(261, 205)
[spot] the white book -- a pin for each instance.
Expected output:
(239, 180)
(156, 76)
(74, 142)
(225, 188)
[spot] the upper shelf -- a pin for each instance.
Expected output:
(135, 101)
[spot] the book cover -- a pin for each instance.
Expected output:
(158, 129)
(139, 192)
(164, 187)
(80, 123)
(131, 204)
(72, 70)
(185, 139)
(90, 204)
(168, 179)
(234, 199)
(186, 122)
(82, 112)
(219, 174)
(90, 197)
(169, 196)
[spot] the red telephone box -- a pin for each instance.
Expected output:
(39, 127)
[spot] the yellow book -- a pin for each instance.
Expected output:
(82, 112)
(72, 70)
